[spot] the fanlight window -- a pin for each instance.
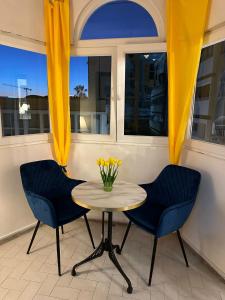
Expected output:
(119, 19)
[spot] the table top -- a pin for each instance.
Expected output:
(124, 196)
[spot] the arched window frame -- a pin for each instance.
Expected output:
(148, 5)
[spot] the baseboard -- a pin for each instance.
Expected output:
(205, 258)
(17, 232)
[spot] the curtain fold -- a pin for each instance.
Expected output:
(57, 35)
(186, 22)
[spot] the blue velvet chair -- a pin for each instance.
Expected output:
(170, 199)
(48, 192)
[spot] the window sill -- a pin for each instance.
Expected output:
(206, 148)
(21, 140)
(134, 141)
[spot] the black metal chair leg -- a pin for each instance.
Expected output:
(89, 231)
(124, 238)
(58, 250)
(33, 236)
(153, 260)
(62, 230)
(103, 225)
(182, 247)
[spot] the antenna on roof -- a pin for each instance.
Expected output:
(26, 89)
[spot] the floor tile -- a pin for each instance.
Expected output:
(15, 284)
(3, 292)
(34, 276)
(83, 284)
(48, 285)
(65, 293)
(30, 291)
(12, 295)
(85, 295)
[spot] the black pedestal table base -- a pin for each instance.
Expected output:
(106, 245)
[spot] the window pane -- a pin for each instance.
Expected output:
(209, 108)
(90, 87)
(119, 19)
(23, 92)
(146, 98)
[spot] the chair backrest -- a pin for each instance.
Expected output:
(44, 178)
(175, 184)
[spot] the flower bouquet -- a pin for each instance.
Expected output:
(109, 171)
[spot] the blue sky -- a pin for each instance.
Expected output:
(119, 19)
(21, 64)
(115, 19)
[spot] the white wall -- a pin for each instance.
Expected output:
(15, 214)
(205, 228)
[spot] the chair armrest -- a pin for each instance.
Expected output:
(147, 187)
(73, 182)
(42, 209)
(174, 217)
(70, 183)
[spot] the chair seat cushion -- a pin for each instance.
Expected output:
(67, 210)
(146, 216)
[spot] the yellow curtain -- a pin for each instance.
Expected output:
(57, 34)
(186, 21)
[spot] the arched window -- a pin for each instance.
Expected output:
(119, 19)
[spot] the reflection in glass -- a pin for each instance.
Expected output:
(209, 108)
(23, 92)
(90, 81)
(146, 94)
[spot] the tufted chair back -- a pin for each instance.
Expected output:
(45, 178)
(174, 185)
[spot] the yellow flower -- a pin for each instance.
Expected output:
(106, 163)
(112, 161)
(119, 162)
(100, 162)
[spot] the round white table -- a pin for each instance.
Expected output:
(124, 196)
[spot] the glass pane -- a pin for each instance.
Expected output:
(146, 99)
(209, 108)
(90, 87)
(119, 19)
(23, 92)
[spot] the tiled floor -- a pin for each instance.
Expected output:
(35, 277)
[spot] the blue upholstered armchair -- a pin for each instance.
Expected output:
(170, 199)
(48, 192)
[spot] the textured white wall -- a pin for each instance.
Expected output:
(14, 211)
(204, 230)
